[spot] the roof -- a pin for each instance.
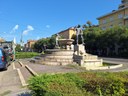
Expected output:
(112, 12)
(71, 28)
(32, 40)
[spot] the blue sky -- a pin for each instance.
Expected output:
(41, 18)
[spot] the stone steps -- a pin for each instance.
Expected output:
(57, 60)
(55, 63)
(58, 57)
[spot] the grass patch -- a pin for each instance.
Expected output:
(21, 55)
(108, 64)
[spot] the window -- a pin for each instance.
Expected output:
(104, 21)
(120, 16)
(111, 26)
(111, 18)
(0, 52)
(103, 28)
(120, 24)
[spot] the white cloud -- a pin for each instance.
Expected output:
(29, 28)
(47, 26)
(14, 28)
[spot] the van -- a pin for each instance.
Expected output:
(4, 59)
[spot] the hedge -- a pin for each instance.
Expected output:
(80, 84)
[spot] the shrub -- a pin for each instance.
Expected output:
(56, 85)
(104, 84)
(80, 84)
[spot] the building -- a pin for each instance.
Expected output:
(2, 40)
(116, 17)
(29, 45)
(68, 33)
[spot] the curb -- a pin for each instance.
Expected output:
(106, 67)
(22, 65)
(30, 70)
(21, 78)
(13, 66)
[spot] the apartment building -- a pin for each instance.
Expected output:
(68, 33)
(116, 17)
(29, 45)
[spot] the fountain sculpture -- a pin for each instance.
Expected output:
(66, 53)
(81, 57)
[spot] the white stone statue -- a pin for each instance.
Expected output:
(79, 31)
(57, 38)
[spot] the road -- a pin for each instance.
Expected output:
(10, 83)
(117, 61)
(18, 73)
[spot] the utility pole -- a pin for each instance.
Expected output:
(21, 41)
(14, 46)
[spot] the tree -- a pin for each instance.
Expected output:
(18, 47)
(89, 23)
(45, 43)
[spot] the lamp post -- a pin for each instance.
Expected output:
(14, 46)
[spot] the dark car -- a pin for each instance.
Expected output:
(4, 59)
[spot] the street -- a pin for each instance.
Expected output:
(13, 82)
(116, 61)
(10, 84)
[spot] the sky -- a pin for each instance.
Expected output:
(35, 19)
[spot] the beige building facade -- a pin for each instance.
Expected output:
(68, 33)
(2, 40)
(29, 45)
(116, 17)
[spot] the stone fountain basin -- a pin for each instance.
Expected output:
(65, 41)
(59, 52)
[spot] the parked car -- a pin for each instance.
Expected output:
(9, 51)
(4, 59)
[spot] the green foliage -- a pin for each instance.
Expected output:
(80, 84)
(44, 43)
(56, 85)
(18, 48)
(110, 42)
(21, 55)
(105, 84)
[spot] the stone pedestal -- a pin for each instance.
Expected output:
(79, 49)
(84, 59)
(57, 47)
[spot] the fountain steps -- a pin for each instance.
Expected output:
(55, 57)
(52, 61)
(55, 63)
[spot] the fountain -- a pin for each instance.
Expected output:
(81, 57)
(62, 54)
(66, 53)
